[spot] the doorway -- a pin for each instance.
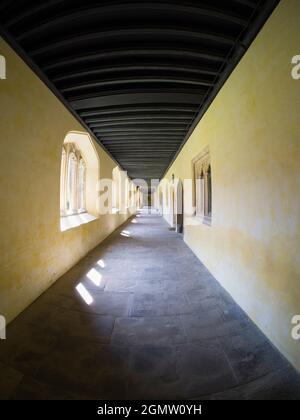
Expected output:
(176, 195)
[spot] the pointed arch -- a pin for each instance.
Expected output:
(80, 173)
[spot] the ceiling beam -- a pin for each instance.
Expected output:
(178, 54)
(70, 75)
(141, 130)
(152, 124)
(131, 137)
(143, 109)
(136, 33)
(30, 11)
(134, 98)
(135, 80)
(145, 7)
(148, 116)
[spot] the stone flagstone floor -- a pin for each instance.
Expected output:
(140, 318)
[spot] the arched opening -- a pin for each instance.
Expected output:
(176, 205)
(209, 192)
(71, 181)
(79, 175)
(172, 206)
(161, 200)
(116, 190)
(2, 67)
(203, 187)
(178, 188)
(81, 185)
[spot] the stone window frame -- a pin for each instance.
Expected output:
(202, 187)
(74, 202)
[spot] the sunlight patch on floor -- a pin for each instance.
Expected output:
(101, 263)
(95, 277)
(83, 292)
(126, 234)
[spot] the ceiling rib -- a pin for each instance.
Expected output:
(120, 8)
(138, 54)
(104, 36)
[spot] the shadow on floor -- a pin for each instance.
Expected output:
(140, 318)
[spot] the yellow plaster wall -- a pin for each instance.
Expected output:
(253, 132)
(33, 251)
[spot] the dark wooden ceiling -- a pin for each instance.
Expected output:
(138, 74)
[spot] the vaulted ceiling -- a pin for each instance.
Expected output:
(138, 74)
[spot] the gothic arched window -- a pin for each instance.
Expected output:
(73, 181)
(81, 185)
(209, 192)
(203, 187)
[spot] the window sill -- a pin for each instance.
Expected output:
(206, 221)
(75, 220)
(196, 221)
(70, 213)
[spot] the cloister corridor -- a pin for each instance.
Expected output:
(140, 318)
(150, 211)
